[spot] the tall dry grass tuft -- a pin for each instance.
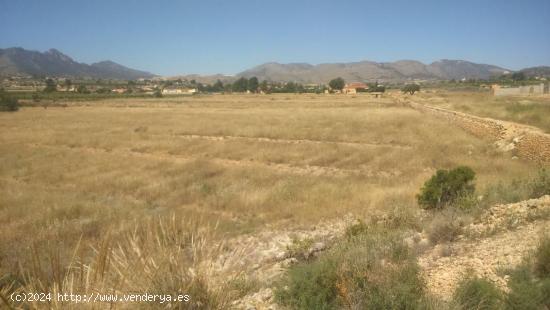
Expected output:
(159, 256)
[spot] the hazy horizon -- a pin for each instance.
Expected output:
(178, 38)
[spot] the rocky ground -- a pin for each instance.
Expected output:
(500, 238)
(263, 257)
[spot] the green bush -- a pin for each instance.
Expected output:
(356, 229)
(540, 185)
(542, 258)
(477, 293)
(371, 269)
(310, 286)
(526, 291)
(545, 292)
(8, 103)
(445, 187)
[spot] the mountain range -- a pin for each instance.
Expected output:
(371, 71)
(18, 61)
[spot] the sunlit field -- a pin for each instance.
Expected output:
(71, 176)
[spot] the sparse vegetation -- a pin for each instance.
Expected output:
(478, 293)
(528, 287)
(526, 290)
(241, 162)
(518, 189)
(368, 271)
(542, 259)
(299, 248)
(445, 226)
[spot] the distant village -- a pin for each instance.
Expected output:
(503, 86)
(162, 86)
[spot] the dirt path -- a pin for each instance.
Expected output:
(289, 141)
(277, 167)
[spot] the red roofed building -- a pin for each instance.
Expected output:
(351, 88)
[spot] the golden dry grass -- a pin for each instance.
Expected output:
(78, 173)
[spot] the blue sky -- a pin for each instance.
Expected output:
(205, 37)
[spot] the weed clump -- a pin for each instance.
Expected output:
(371, 269)
(528, 286)
(477, 293)
(540, 185)
(518, 190)
(542, 259)
(444, 227)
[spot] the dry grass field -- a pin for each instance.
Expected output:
(72, 176)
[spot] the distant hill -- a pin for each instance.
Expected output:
(541, 71)
(371, 71)
(19, 61)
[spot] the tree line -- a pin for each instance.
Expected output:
(241, 85)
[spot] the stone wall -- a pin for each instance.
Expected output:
(534, 146)
(537, 89)
(527, 143)
(479, 127)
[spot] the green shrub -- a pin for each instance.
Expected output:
(8, 103)
(540, 185)
(545, 292)
(393, 287)
(356, 229)
(371, 269)
(445, 187)
(477, 293)
(526, 292)
(542, 258)
(310, 286)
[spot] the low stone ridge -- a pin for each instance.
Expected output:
(524, 141)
